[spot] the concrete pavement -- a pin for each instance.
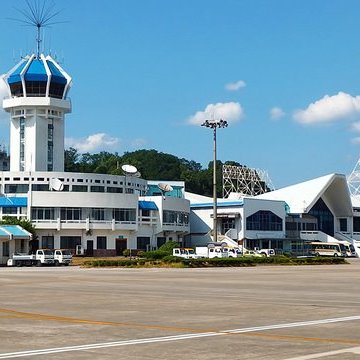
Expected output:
(264, 312)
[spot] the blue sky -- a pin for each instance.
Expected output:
(285, 74)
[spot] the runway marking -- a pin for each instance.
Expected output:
(303, 338)
(354, 350)
(175, 338)
(36, 316)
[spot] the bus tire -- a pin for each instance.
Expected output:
(335, 255)
(317, 254)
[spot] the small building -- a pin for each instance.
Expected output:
(13, 239)
(248, 221)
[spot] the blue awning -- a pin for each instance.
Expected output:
(9, 232)
(239, 203)
(147, 205)
(13, 201)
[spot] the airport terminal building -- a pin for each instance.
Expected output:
(95, 214)
(102, 215)
(321, 209)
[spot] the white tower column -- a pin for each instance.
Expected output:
(37, 103)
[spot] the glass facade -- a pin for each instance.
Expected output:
(101, 242)
(227, 224)
(124, 215)
(143, 243)
(35, 88)
(47, 242)
(356, 224)
(343, 225)
(175, 217)
(16, 188)
(264, 220)
(98, 214)
(50, 151)
(70, 242)
(11, 210)
(324, 216)
(22, 143)
(38, 213)
(70, 213)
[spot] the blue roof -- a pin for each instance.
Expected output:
(219, 204)
(13, 201)
(147, 205)
(10, 231)
(36, 71)
(57, 76)
(15, 76)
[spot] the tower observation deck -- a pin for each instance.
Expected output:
(37, 101)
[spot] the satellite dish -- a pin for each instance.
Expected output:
(56, 184)
(129, 169)
(165, 187)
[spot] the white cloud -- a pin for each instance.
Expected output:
(276, 113)
(356, 140)
(234, 86)
(355, 126)
(231, 112)
(92, 143)
(329, 109)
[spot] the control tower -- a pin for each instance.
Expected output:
(37, 102)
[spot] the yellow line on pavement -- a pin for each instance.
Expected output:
(8, 313)
(40, 317)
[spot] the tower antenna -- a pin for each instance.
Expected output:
(38, 14)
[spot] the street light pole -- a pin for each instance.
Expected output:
(214, 124)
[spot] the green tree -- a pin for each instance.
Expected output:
(71, 159)
(152, 165)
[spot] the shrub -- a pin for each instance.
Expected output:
(172, 259)
(156, 254)
(126, 252)
(169, 246)
(141, 253)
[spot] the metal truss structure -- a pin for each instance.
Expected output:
(353, 180)
(245, 181)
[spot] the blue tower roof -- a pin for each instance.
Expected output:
(15, 76)
(56, 75)
(40, 70)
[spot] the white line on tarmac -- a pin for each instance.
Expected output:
(175, 338)
(354, 350)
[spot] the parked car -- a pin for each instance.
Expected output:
(252, 253)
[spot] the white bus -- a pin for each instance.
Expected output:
(347, 248)
(319, 248)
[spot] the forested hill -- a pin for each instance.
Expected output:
(153, 165)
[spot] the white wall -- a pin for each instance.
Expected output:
(82, 199)
(253, 205)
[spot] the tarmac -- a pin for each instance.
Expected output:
(263, 312)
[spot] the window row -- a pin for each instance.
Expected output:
(264, 220)
(175, 217)
(70, 242)
(24, 188)
(98, 214)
